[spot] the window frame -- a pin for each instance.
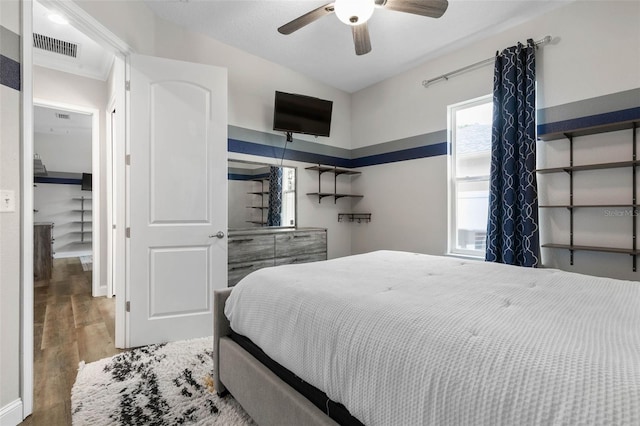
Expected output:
(453, 181)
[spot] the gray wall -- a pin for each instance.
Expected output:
(574, 73)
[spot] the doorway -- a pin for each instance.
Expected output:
(71, 324)
(64, 197)
(69, 180)
(80, 19)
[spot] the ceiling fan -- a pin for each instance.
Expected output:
(356, 13)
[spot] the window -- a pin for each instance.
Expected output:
(470, 131)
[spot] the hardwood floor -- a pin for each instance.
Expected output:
(69, 326)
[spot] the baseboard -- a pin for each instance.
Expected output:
(67, 254)
(101, 291)
(11, 414)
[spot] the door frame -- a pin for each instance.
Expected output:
(116, 202)
(103, 36)
(96, 192)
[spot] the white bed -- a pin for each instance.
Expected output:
(410, 339)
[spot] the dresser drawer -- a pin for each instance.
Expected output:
(240, 270)
(305, 258)
(300, 243)
(250, 247)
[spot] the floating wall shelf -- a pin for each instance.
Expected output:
(570, 169)
(84, 222)
(263, 193)
(336, 172)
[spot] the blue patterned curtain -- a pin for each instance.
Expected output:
(512, 231)
(275, 196)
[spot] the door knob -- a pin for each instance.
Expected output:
(220, 234)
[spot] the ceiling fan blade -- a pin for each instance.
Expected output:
(306, 19)
(361, 38)
(430, 8)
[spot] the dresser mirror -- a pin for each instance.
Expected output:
(261, 195)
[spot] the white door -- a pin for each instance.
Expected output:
(177, 210)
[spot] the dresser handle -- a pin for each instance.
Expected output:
(246, 240)
(302, 236)
(241, 267)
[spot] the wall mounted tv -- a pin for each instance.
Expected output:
(302, 114)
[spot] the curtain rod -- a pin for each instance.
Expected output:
(446, 76)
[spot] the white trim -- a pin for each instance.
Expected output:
(119, 193)
(127, 213)
(11, 414)
(68, 254)
(26, 197)
(97, 289)
(111, 222)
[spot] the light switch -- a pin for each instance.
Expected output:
(7, 200)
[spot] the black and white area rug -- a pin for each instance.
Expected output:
(166, 384)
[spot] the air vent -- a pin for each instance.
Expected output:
(63, 116)
(54, 45)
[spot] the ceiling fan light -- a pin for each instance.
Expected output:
(354, 12)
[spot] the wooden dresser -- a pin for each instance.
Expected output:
(42, 250)
(253, 249)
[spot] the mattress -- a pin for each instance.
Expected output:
(409, 339)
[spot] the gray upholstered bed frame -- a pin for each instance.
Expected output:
(267, 399)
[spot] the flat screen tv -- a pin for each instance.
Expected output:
(87, 182)
(302, 114)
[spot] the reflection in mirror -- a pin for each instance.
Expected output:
(261, 195)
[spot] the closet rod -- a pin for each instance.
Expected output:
(446, 76)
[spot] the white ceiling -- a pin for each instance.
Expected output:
(324, 49)
(92, 60)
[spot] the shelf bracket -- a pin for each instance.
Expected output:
(336, 197)
(634, 198)
(570, 137)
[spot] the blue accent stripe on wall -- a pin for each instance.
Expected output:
(433, 150)
(430, 150)
(9, 73)
(590, 121)
(238, 176)
(58, 180)
(251, 148)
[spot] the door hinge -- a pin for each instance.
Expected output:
(128, 306)
(127, 232)
(127, 85)
(127, 159)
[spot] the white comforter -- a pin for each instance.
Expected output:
(409, 339)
